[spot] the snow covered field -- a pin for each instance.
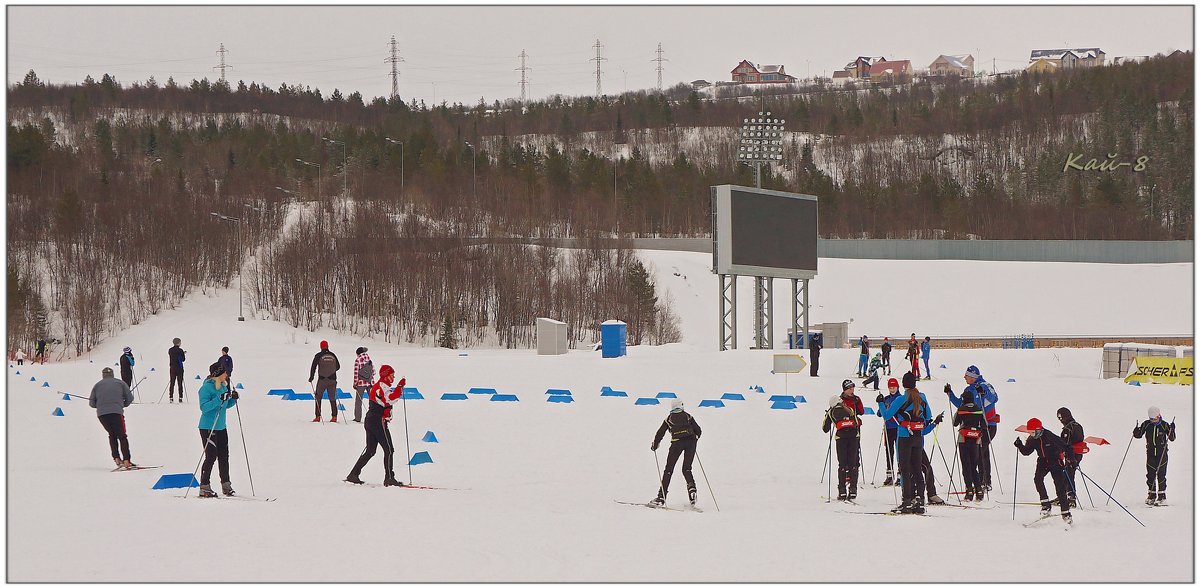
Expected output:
(534, 483)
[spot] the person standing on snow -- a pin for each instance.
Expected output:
(685, 432)
(175, 356)
(40, 351)
(379, 414)
(126, 362)
(911, 356)
(364, 372)
(864, 353)
(110, 397)
(226, 362)
(925, 358)
(881, 403)
(986, 397)
(814, 355)
(971, 429)
(1051, 460)
(886, 349)
(20, 356)
(843, 416)
(215, 399)
(874, 371)
(911, 411)
(1157, 433)
(325, 365)
(1073, 438)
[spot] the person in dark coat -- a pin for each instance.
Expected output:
(1157, 433)
(325, 366)
(685, 433)
(1073, 438)
(226, 362)
(842, 416)
(127, 366)
(971, 429)
(814, 355)
(176, 356)
(886, 350)
(1051, 460)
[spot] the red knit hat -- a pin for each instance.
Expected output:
(892, 383)
(324, 344)
(1033, 425)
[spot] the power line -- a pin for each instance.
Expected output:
(394, 59)
(523, 69)
(659, 59)
(222, 67)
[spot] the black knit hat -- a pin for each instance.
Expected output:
(909, 381)
(215, 370)
(1065, 414)
(360, 351)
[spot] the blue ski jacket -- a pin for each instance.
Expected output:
(909, 428)
(212, 409)
(882, 406)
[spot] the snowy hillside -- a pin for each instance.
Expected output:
(531, 484)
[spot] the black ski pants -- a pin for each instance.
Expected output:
(816, 364)
(377, 435)
(847, 454)
(176, 376)
(891, 450)
(874, 379)
(985, 457)
(1057, 473)
(114, 424)
(1156, 468)
(968, 452)
(215, 450)
(688, 448)
(887, 363)
(323, 386)
(911, 457)
(1072, 467)
(927, 471)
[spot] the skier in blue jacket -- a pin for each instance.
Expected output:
(881, 403)
(985, 395)
(215, 398)
(925, 357)
(911, 411)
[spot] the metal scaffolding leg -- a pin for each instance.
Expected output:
(763, 312)
(799, 324)
(728, 311)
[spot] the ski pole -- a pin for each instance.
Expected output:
(75, 396)
(1114, 484)
(316, 398)
(954, 464)
(1088, 478)
(710, 490)
(135, 386)
(827, 451)
(164, 392)
(657, 469)
(201, 460)
(404, 407)
(1016, 464)
(999, 484)
(242, 430)
(875, 471)
(943, 454)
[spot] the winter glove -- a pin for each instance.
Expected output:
(879, 398)
(1017, 443)
(226, 396)
(654, 447)
(1136, 429)
(939, 418)
(233, 394)
(400, 384)
(310, 379)
(948, 390)
(1172, 427)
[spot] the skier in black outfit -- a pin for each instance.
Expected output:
(1051, 460)
(325, 365)
(127, 366)
(176, 356)
(1157, 433)
(847, 438)
(886, 349)
(226, 362)
(1072, 436)
(814, 355)
(971, 429)
(40, 351)
(379, 414)
(685, 432)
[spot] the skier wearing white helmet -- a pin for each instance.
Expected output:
(685, 432)
(1157, 433)
(127, 366)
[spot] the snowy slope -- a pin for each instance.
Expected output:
(535, 482)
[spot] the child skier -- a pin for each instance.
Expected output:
(874, 370)
(1157, 433)
(685, 432)
(1072, 436)
(1051, 460)
(971, 428)
(843, 417)
(911, 411)
(215, 399)
(379, 414)
(881, 403)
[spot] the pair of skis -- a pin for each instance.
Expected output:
(1067, 522)
(691, 508)
(136, 467)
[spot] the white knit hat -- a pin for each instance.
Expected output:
(1153, 412)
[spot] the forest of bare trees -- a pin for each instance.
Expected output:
(112, 186)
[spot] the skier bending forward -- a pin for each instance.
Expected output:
(684, 435)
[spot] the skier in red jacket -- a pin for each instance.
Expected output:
(378, 416)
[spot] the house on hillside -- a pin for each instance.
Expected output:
(860, 68)
(699, 84)
(1042, 66)
(750, 73)
(1176, 54)
(840, 77)
(1069, 58)
(899, 71)
(962, 66)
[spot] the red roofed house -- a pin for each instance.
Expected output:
(749, 73)
(894, 71)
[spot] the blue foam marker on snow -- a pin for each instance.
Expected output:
(462, 355)
(420, 457)
(32, 379)
(168, 481)
(1012, 379)
(783, 405)
(646, 401)
(57, 412)
(758, 389)
(943, 366)
(45, 384)
(712, 403)
(280, 392)
(454, 396)
(800, 399)
(197, 376)
(1135, 383)
(505, 398)
(481, 391)
(732, 396)
(562, 399)
(341, 406)
(429, 437)
(782, 398)
(66, 397)
(603, 389)
(558, 392)
(614, 393)
(295, 396)
(151, 369)
(18, 372)
(666, 395)
(868, 410)
(411, 394)
(239, 386)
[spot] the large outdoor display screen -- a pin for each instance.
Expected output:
(764, 232)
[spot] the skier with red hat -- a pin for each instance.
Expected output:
(881, 403)
(379, 414)
(1052, 458)
(325, 365)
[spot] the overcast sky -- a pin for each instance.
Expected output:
(463, 53)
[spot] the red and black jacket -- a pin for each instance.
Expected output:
(844, 419)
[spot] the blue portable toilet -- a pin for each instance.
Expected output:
(612, 338)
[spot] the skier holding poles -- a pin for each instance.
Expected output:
(110, 397)
(971, 428)
(215, 399)
(912, 414)
(986, 397)
(843, 416)
(127, 362)
(379, 414)
(685, 433)
(1051, 460)
(1157, 433)
(1073, 438)
(889, 425)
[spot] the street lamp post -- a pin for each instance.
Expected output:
(401, 144)
(473, 157)
(241, 262)
(345, 167)
(318, 166)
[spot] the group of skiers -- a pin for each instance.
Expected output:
(39, 353)
(872, 368)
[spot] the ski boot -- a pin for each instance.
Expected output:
(206, 491)
(1066, 517)
(987, 487)
(659, 500)
(1046, 508)
(841, 496)
(1162, 497)
(1071, 500)
(119, 463)
(354, 479)
(128, 465)
(1151, 499)
(889, 481)
(852, 495)
(171, 400)
(935, 499)
(692, 496)
(227, 488)
(317, 419)
(334, 419)
(969, 495)
(392, 481)
(978, 496)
